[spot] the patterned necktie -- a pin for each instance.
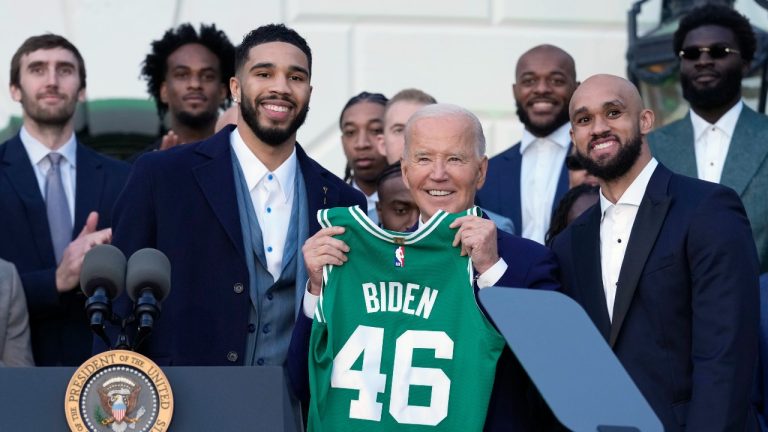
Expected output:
(59, 220)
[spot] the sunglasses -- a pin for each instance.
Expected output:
(572, 163)
(714, 51)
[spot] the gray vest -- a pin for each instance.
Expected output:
(274, 304)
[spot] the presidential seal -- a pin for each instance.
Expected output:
(119, 391)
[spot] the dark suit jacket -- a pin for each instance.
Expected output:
(60, 332)
(685, 317)
(745, 169)
(530, 265)
(183, 202)
(501, 191)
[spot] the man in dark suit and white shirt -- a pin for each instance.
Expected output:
(526, 182)
(665, 267)
(56, 197)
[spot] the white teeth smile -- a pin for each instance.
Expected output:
(604, 145)
(438, 192)
(277, 108)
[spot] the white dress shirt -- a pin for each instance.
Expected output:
(272, 197)
(371, 201)
(712, 141)
(539, 173)
(615, 228)
(37, 153)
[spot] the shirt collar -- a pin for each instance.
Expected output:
(37, 151)
(255, 171)
(726, 123)
(634, 193)
(561, 137)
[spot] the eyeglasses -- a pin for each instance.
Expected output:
(715, 52)
(572, 163)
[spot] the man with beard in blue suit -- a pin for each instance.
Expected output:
(56, 197)
(665, 267)
(231, 213)
(443, 165)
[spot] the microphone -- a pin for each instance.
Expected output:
(148, 282)
(102, 279)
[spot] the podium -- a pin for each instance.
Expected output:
(206, 399)
(569, 361)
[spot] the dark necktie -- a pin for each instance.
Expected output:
(59, 220)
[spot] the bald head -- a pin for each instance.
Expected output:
(606, 85)
(551, 52)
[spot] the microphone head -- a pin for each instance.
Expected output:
(148, 268)
(103, 266)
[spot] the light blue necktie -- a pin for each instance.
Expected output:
(59, 220)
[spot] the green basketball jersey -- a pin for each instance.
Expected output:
(398, 341)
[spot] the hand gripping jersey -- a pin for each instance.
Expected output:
(398, 341)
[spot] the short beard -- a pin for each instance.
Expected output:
(270, 136)
(49, 119)
(543, 130)
(716, 97)
(611, 170)
(201, 121)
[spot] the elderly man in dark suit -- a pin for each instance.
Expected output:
(665, 266)
(721, 140)
(56, 197)
(444, 164)
(231, 213)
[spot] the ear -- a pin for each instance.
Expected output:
(404, 171)
(81, 95)
(164, 92)
(234, 88)
(647, 117)
(380, 145)
(222, 93)
(15, 93)
(481, 173)
(570, 133)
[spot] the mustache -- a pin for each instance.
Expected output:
(284, 98)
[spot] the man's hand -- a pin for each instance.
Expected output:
(68, 272)
(170, 140)
(477, 237)
(322, 249)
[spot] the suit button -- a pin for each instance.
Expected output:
(260, 362)
(269, 296)
(251, 328)
(266, 328)
(238, 288)
(232, 356)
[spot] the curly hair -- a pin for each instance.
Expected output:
(723, 16)
(271, 33)
(155, 65)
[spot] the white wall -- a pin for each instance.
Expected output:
(460, 51)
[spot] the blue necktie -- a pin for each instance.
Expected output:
(59, 220)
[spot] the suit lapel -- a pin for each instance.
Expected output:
(586, 256)
(320, 192)
(746, 152)
(217, 181)
(21, 176)
(648, 223)
(511, 195)
(673, 146)
(90, 182)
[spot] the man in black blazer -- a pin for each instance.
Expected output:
(665, 266)
(47, 247)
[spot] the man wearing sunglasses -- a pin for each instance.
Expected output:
(721, 140)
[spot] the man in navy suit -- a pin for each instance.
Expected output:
(444, 164)
(52, 215)
(665, 266)
(231, 212)
(526, 182)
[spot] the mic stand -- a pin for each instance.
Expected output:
(147, 309)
